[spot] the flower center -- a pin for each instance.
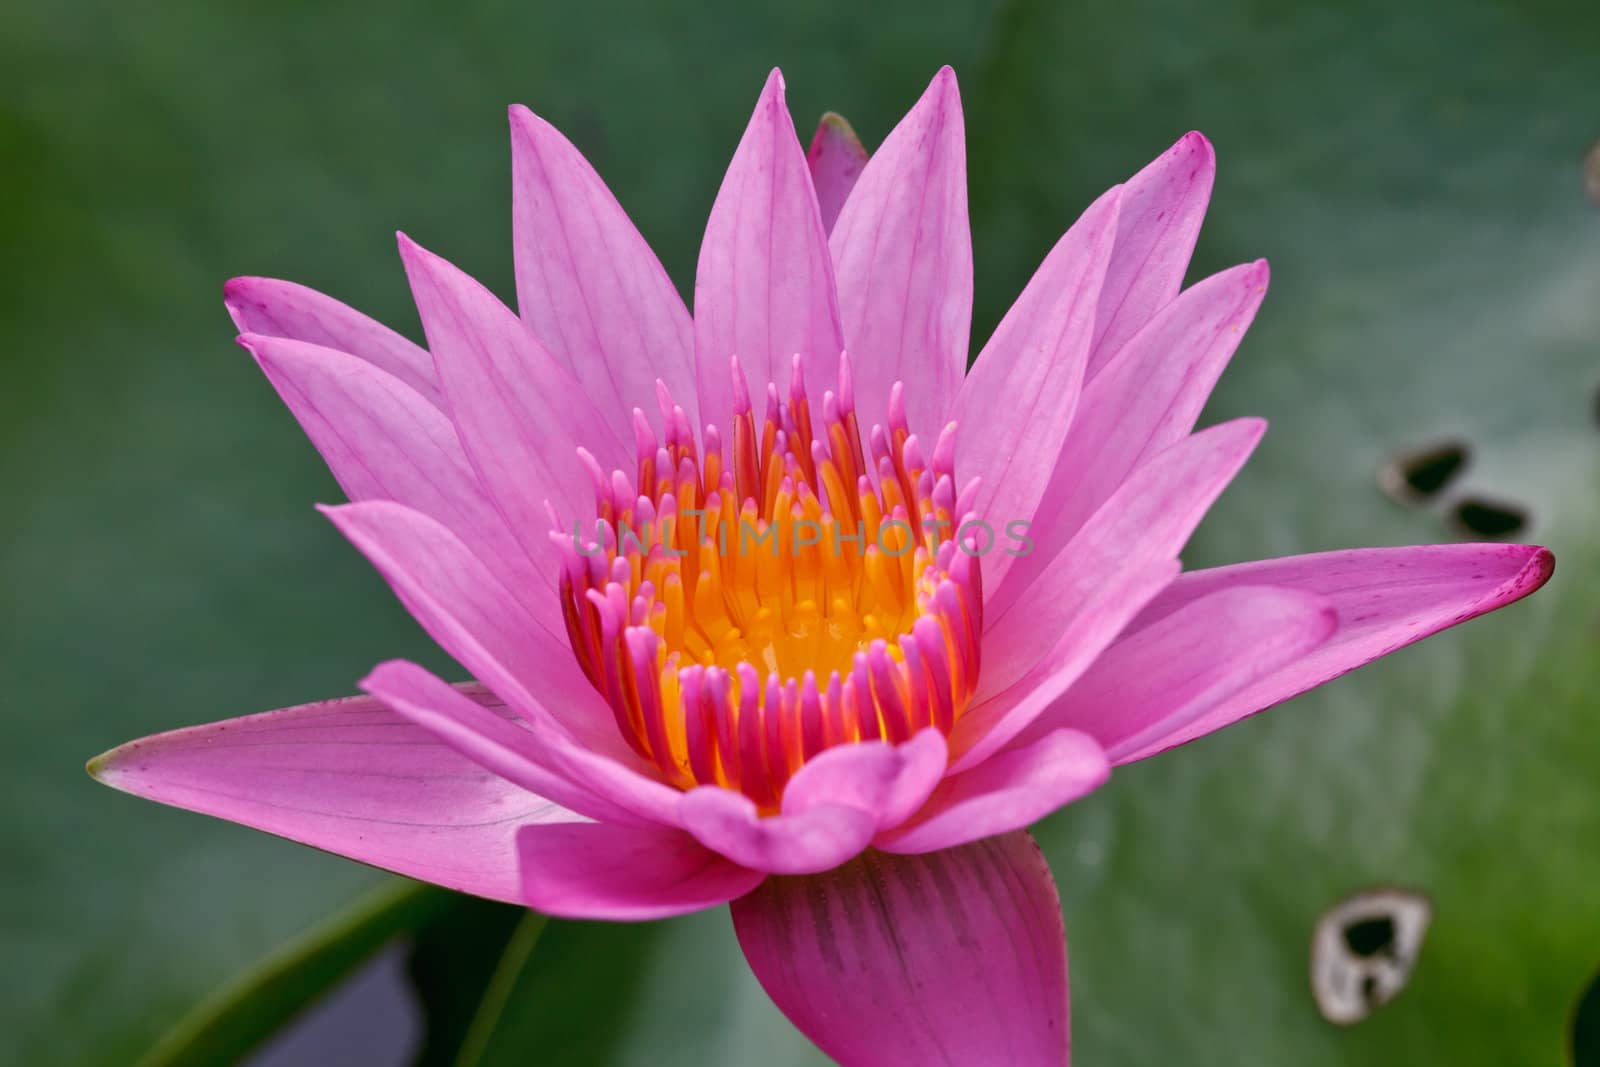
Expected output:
(742, 611)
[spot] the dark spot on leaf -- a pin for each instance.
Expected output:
(1586, 1026)
(1413, 477)
(1370, 936)
(1489, 518)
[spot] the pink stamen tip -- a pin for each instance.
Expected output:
(644, 438)
(911, 454)
(681, 433)
(664, 399)
(741, 390)
(622, 489)
(847, 384)
(944, 450)
(897, 406)
(797, 378)
(596, 472)
(879, 441)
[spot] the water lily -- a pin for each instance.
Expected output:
(777, 606)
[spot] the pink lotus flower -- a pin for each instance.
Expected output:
(845, 739)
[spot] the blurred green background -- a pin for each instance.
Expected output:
(1414, 175)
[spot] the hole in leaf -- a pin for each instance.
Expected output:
(1370, 936)
(1363, 951)
(1413, 477)
(1489, 518)
(1586, 1026)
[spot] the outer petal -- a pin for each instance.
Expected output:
(384, 441)
(953, 957)
(1158, 680)
(764, 288)
(1092, 589)
(1148, 519)
(1387, 598)
(902, 251)
(522, 752)
(588, 285)
(1162, 208)
(1016, 405)
(624, 873)
(1145, 400)
(475, 618)
(802, 842)
(887, 781)
(1100, 612)
(1006, 792)
(836, 159)
(520, 416)
(349, 776)
(276, 308)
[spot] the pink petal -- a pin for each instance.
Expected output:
(476, 619)
(521, 416)
(902, 252)
(888, 781)
(1016, 405)
(276, 308)
(525, 753)
(624, 873)
(1121, 558)
(1162, 208)
(1007, 792)
(349, 776)
(588, 285)
(952, 957)
(383, 441)
(1148, 519)
(764, 287)
(801, 842)
(836, 159)
(1145, 400)
(1387, 598)
(1101, 612)
(1158, 680)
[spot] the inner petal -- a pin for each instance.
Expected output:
(746, 605)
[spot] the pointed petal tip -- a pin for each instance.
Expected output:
(1537, 571)
(946, 87)
(1198, 145)
(839, 124)
(375, 678)
(99, 767)
(526, 125)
